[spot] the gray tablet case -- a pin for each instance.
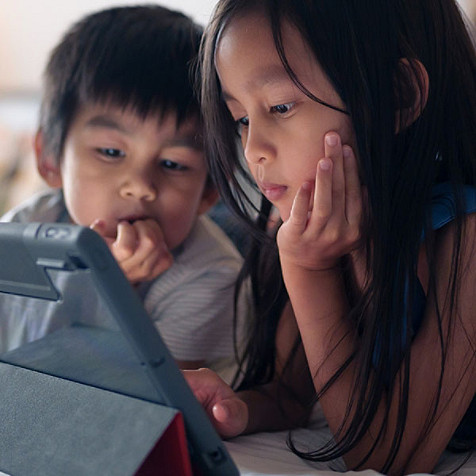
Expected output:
(86, 375)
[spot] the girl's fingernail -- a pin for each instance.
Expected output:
(331, 140)
(346, 151)
(324, 164)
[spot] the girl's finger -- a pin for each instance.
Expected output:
(300, 209)
(323, 200)
(353, 189)
(333, 151)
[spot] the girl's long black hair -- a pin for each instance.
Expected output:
(360, 45)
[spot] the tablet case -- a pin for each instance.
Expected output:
(39, 381)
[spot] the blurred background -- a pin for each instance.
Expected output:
(29, 29)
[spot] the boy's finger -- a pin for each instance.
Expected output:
(126, 242)
(150, 237)
(99, 226)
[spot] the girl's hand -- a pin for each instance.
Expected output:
(323, 228)
(139, 248)
(227, 412)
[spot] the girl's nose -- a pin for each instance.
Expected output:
(138, 186)
(258, 145)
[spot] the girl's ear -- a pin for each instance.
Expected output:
(411, 87)
(48, 167)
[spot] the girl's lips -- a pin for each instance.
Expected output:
(272, 191)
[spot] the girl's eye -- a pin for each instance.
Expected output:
(111, 153)
(171, 165)
(282, 108)
(241, 123)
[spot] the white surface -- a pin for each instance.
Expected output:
(266, 454)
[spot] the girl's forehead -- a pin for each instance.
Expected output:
(247, 44)
(251, 32)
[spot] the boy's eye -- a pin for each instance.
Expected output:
(282, 108)
(111, 153)
(171, 165)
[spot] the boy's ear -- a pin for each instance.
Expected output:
(46, 164)
(412, 92)
(209, 198)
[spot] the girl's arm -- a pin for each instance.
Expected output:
(283, 405)
(267, 407)
(310, 246)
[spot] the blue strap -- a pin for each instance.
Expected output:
(443, 209)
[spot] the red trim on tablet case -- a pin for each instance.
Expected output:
(170, 456)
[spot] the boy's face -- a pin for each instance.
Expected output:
(117, 167)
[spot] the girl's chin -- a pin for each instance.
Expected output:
(280, 214)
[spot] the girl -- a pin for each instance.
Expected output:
(358, 124)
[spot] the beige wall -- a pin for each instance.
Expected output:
(470, 7)
(30, 28)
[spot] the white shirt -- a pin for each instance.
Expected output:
(191, 303)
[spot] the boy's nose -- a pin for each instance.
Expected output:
(138, 187)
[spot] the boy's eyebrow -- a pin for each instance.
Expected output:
(190, 141)
(107, 122)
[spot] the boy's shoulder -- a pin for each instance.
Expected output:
(208, 242)
(45, 206)
(206, 250)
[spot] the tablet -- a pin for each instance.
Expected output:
(32, 257)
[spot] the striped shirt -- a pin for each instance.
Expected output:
(191, 303)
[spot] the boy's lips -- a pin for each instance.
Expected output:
(133, 218)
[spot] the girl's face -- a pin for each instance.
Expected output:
(282, 129)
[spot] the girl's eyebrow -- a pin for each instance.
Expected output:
(265, 76)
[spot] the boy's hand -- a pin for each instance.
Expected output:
(324, 223)
(138, 247)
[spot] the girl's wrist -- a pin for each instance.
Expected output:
(330, 267)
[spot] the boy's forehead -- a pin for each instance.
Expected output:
(187, 131)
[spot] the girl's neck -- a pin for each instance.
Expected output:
(357, 268)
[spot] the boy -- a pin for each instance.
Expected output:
(119, 143)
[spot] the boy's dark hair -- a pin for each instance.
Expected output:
(135, 57)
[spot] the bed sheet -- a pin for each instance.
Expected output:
(267, 454)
